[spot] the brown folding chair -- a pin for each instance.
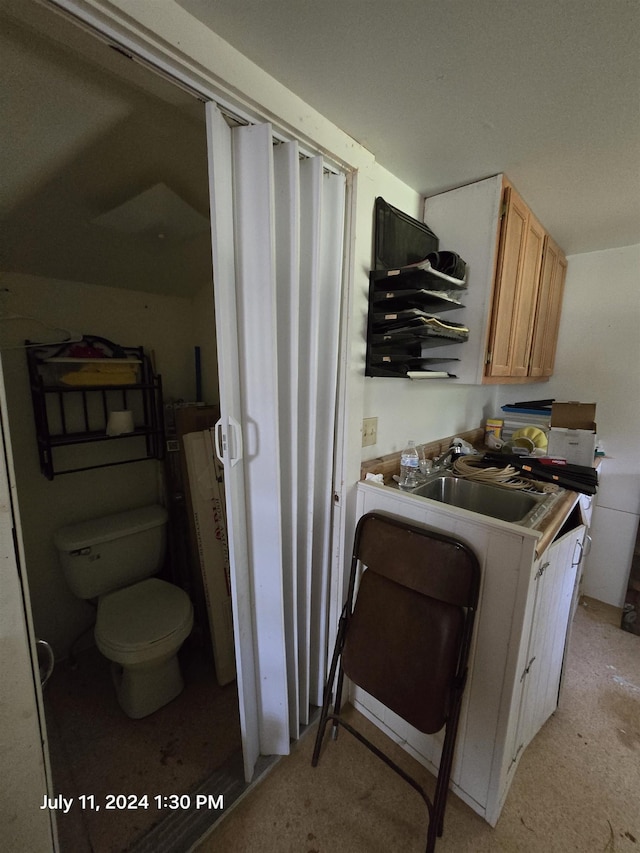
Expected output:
(406, 640)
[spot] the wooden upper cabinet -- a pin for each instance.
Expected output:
(515, 289)
(554, 268)
(515, 282)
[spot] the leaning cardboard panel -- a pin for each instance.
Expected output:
(207, 498)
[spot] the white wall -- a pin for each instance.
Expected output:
(164, 326)
(205, 337)
(598, 361)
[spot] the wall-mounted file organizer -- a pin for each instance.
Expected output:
(405, 322)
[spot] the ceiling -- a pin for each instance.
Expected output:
(446, 92)
(442, 94)
(94, 147)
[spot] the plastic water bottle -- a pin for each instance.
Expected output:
(409, 467)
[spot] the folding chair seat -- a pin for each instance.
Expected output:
(405, 637)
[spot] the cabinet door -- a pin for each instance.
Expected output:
(558, 584)
(547, 322)
(530, 676)
(554, 584)
(516, 288)
(527, 295)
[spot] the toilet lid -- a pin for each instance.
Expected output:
(142, 614)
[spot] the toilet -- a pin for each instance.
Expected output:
(142, 620)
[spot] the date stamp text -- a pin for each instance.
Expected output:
(128, 802)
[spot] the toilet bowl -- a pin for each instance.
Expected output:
(140, 629)
(141, 620)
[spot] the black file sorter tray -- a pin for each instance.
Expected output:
(428, 300)
(427, 361)
(402, 370)
(416, 277)
(421, 326)
(403, 324)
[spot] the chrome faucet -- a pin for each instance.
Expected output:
(448, 456)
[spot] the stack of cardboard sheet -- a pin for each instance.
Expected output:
(206, 488)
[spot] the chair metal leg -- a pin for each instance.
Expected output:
(324, 715)
(321, 727)
(337, 703)
(444, 772)
(436, 818)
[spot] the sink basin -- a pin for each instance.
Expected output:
(487, 499)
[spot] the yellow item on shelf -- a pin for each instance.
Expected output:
(102, 374)
(536, 436)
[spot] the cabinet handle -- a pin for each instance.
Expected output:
(515, 757)
(579, 560)
(528, 667)
(589, 542)
(541, 571)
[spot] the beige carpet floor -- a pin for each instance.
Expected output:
(577, 787)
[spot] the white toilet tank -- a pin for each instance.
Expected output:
(104, 554)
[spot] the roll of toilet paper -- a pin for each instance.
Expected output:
(120, 422)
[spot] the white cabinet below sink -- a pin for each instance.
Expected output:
(518, 647)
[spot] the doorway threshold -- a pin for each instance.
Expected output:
(183, 829)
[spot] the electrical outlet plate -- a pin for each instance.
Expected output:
(369, 431)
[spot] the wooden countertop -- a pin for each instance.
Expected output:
(551, 523)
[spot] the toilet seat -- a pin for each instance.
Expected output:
(143, 621)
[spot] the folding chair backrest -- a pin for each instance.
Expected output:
(408, 636)
(423, 560)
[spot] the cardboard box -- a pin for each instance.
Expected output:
(573, 432)
(195, 418)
